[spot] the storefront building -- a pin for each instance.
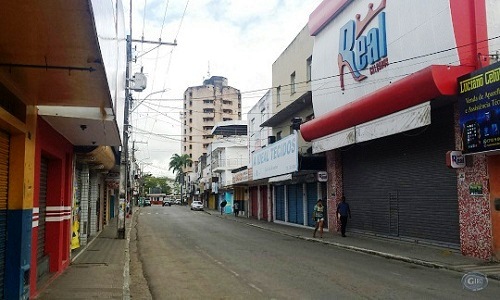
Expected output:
(284, 185)
(385, 98)
(61, 87)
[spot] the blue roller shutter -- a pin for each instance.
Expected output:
(280, 202)
(300, 204)
(295, 205)
(4, 181)
(292, 203)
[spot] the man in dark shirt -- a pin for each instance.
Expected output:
(343, 211)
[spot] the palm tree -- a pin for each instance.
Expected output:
(177, 164)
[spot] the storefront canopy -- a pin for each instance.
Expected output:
(422, 86)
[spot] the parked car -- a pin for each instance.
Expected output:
(196, 205)
(177, 201)
(147, 202)
(167, 202)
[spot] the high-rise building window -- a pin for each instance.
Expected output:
(278, 96)
(309, 68)
(292, 83)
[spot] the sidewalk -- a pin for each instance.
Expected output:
(101, 270)
(98, 271)
(424, 255)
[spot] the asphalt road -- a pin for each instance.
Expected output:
(183, 254)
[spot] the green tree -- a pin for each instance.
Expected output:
(177, 164)
(162, 183)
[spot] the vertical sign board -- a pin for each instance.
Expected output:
(479, 107)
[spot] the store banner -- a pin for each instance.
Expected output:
(479, 107)
(276, 159)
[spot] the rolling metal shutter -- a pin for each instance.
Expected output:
(4, 183)
(292, 203)
(254, 200)
(280, 202)
(42, 262)
(295, 205)
(263, 197)
(400, 186)
(312, 198)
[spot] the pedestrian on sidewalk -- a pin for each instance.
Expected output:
(236, 208)
(318, 217)
(343, 211)
(222, 205)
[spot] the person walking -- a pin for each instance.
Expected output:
(318, 217)
(222, 205)
(343, 211)
(236, 208)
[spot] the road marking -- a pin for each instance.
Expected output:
(234, 273)
(255, 287)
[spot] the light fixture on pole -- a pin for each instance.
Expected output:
(150, 94)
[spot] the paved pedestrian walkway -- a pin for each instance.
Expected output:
(98, 271)
(101, 269)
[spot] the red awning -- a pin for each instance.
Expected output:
(424, 85)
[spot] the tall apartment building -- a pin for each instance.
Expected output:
(204, 106)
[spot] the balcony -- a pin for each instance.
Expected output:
(220, 165)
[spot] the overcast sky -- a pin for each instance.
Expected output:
(238, 40)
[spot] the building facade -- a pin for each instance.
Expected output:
(284, 184)
(61, 87)
(205, 106)
(387, 112)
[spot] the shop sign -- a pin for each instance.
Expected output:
(455, 159)
(276, 159)
(322, 176)
(241, 176)
(358, 49)
(479, 107)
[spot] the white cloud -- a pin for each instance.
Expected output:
(239, 39)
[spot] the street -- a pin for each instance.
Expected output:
(177, 253)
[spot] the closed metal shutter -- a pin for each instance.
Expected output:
(263, 197)
(280, 202)
(312, 198)
(4, 183)
(292, 203)
(400, 186)
(254, 200)
(295, 205)
(42, 262)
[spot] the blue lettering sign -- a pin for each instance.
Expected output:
(357, 51)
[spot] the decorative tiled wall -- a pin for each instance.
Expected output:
(474, 210)
(334, 187)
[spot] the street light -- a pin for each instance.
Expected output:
(150, 94)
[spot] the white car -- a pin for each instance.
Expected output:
(196, 205)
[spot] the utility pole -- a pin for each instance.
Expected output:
(125, 163)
